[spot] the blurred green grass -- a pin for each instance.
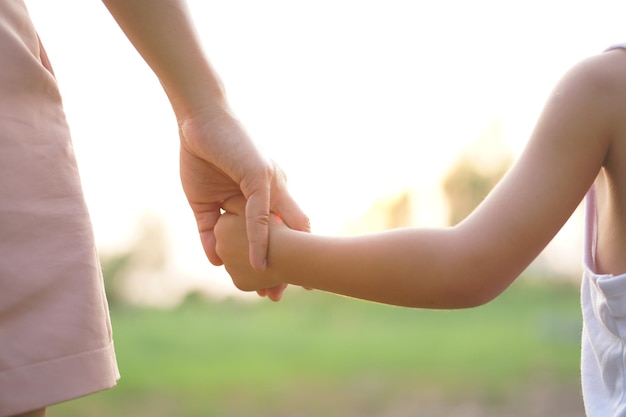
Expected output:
(327, 355)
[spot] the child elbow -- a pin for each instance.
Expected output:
(476, 293)
(481, 297)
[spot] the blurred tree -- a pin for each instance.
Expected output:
(477, 171)
(388, 212)
(113, 267)
(147, 253)
(399, 212)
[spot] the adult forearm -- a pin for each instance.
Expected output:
(162, 31)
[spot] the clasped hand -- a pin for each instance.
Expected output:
(232, 247)
(218, 161)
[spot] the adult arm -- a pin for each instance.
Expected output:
(218, 159)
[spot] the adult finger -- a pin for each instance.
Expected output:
(257, 225)
(291, 213)
(208, 244)
(206, 220)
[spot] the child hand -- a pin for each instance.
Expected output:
(232, 247)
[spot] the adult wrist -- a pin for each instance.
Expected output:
(207, 99)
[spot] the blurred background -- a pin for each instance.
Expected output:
(383, 114)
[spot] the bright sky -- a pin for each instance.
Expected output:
(355, 99)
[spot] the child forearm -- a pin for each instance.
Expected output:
(426, 268)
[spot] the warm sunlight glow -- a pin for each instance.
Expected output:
(355, 99)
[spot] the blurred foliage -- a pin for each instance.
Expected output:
(148, 252)
(317, 354)
(388, 212)
(466, 187)
(399, 212)
(477, 171)
(113, 269)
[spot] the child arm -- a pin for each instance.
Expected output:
(473, 262)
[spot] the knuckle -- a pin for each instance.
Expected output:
(262, 219)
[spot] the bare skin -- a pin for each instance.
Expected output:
(579, 139)
(218, 160)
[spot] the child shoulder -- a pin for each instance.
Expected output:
(605, 72)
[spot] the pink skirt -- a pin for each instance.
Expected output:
(55, 333)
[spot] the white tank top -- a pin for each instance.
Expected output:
(603, 298)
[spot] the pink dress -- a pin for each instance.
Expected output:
(55, 334)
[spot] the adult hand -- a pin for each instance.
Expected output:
(218, 160)
(232, 247)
